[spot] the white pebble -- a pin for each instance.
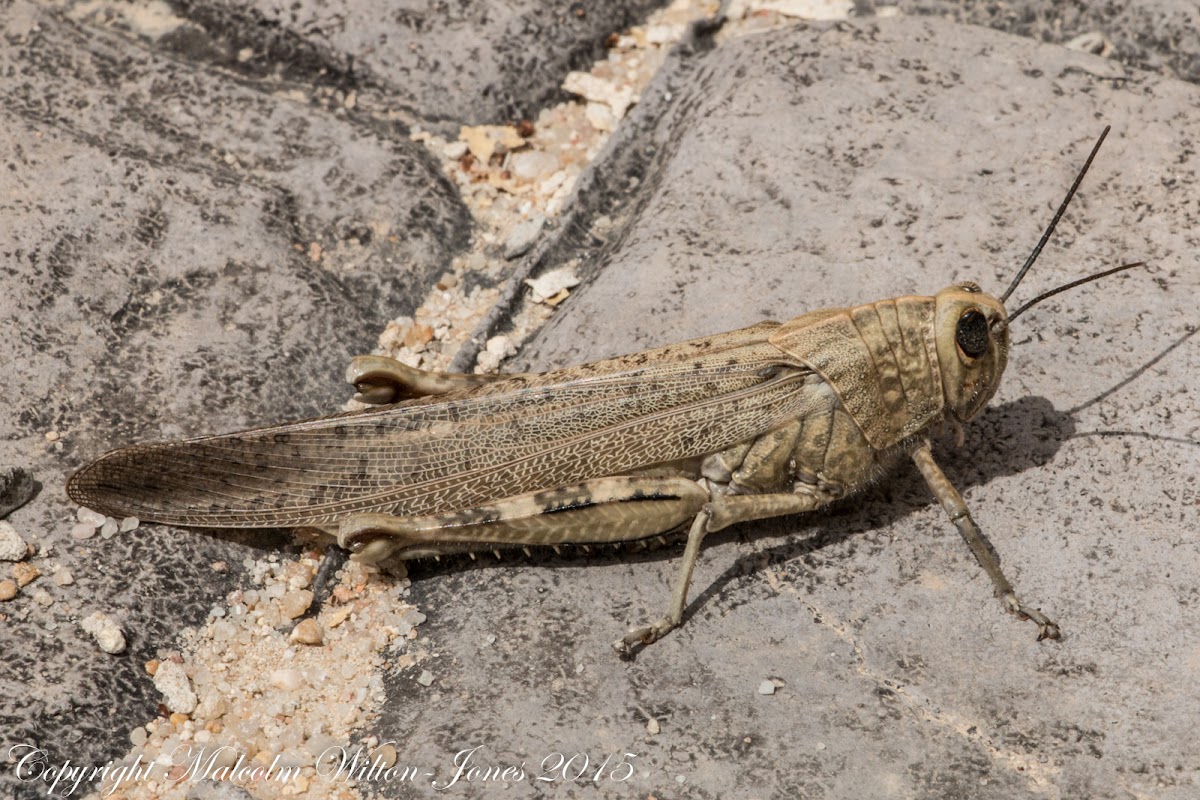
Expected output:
(130, 524)
(109, 528)
(12, 546)
(107, 633)
(307, 632)
(499, 345)
(83, 530)
(553, 282)
(531, 164)
(87, 515)
(172, 682)
(426, 678)
(295, 602)
(63, 577)
(287, 679)
(43, 598)
(766, 687)
(523, 237)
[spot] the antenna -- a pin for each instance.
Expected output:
(1061, 210)
(1071, 285)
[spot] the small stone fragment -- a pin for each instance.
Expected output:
(109, 528)
(499, 346)
(94, 518)
(43, 598)
(522, 238)
(652, 726)
(8, 590)
(295, 603)
(426, 678)
(17, 487)
(219, 566)
(12, 546)
(600, 116)
(81, 531)
(385, 756)
(552, 283)
(63, 577)
(558, 298)
(1093, 42)
(766, 687)
(308, 631)
(172, 681)
(485, 140)
(661, 34)
(108, 634)
(533, 165)
(287, 679)
(339, 616)
(418, 336)
(599, 91)
(129, 524)
(818, 10)
(25, 573)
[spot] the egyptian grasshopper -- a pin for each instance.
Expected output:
(769, 420)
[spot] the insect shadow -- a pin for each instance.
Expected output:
(1005, 439)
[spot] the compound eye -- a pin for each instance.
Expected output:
(972, 333)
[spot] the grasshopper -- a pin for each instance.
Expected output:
(769, 420)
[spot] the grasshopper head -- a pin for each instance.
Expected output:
(971, 333)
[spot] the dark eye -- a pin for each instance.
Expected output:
(972, 333)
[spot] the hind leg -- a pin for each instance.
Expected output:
(600, 511)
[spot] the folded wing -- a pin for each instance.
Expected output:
(459, 450)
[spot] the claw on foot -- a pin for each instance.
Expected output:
(640, 637)
(1046, 628)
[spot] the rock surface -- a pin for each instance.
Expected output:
(182, 254)
(201, 247)
(826, 166)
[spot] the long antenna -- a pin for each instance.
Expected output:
(1061, 210)
(1071, 285)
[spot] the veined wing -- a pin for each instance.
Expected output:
(461, 449)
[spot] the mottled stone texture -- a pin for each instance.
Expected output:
(826, 166)
(197, 228)
(181, 254)
(1162, 36)
(440, 64)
